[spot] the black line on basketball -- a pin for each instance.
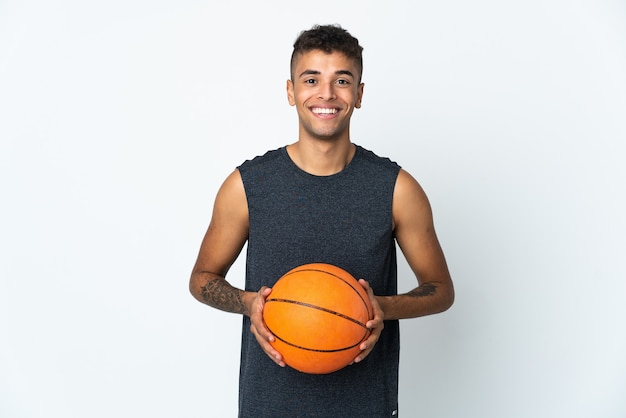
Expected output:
(369, 314)
(317, 350)
(320, 308)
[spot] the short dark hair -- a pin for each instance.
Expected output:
(328, 38)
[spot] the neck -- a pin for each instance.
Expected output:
(321, 158)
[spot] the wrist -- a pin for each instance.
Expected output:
(247, 300)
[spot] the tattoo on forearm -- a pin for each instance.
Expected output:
(425, 289)
(219, 294)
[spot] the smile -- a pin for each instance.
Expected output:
(323, 111)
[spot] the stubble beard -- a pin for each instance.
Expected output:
(325, 133)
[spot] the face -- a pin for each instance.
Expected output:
(325, 91)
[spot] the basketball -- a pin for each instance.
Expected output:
(318, 312)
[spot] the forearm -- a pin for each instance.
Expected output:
(427, 299)
(213, 290)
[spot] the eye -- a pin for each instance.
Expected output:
(310, 81)
(343, 82)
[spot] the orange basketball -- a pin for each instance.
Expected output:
(318, 312)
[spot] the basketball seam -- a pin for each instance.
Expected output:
(369, 314)
(309, 305)
(318, 350)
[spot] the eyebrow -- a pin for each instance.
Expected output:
(316, 72)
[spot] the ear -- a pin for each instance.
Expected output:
(290, 95)
(359, 96)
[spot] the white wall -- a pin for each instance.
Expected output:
(120, 119)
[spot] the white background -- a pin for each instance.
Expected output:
(120, 119)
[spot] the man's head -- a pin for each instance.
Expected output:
(328, 38)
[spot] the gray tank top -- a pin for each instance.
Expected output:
(343, 219)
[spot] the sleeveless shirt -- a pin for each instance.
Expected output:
(343, 219)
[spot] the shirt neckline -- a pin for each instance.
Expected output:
(294, 166)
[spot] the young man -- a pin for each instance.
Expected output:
(322, 199)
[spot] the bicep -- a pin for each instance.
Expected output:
(228, 229)
(415, 232)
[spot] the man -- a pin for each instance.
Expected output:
(322, 199)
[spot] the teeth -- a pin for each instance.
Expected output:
(320, 110)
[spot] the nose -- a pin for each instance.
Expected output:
(327, 91)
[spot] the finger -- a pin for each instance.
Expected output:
(378, 314)
(260, 330)
(256, 318)
(271, 352)
(374, 323)
(364, 353)
(265, 291)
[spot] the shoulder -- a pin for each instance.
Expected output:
(410, 202)
(261, 160)
(372, 158)
(232, 192)
(376, 170)
(406, 183)
(259, 174)
(408, 190)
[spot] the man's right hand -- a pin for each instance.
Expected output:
(257, 326)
